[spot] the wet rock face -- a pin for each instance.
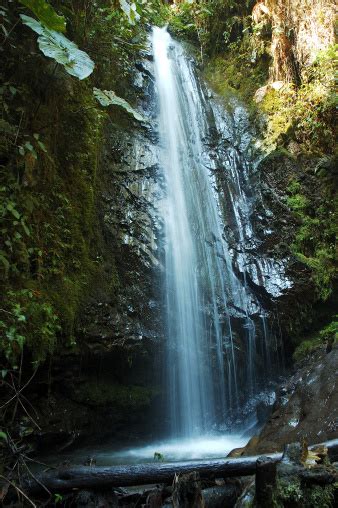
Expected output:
(295, 305)
(130, 225)
(124, 311)
(119, 331)
(249, 199)
(306, 407)
(259, 225)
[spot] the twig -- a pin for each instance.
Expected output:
(9, 33)
(17, 132)
(37, 480)
(19, 401)
(7, 312)
(29, 416)
(19, 391)
(19, 490)
(38, 462)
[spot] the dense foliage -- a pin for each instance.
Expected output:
(49, 173)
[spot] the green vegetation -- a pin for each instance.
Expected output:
(291, 492)
(327, 335)
(30, 321)
(158, 457)
(304, 114)
(51, 130)
(315, 207)
(212, 23)
(118, 396)
(46, 14)
(236, 73)
(55, 45)
(109, 98)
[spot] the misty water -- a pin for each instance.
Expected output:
(200, 281)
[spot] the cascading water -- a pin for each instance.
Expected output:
(200, 281)
(218, 283)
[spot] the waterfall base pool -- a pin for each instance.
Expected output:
(203, 447)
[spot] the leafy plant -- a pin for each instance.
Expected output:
(3, 435)
(130, 10)
(109, 98)
(30, 321)
(46, 14)
(330, 331)
(308, 346)
(65, 52)
(158, 457)
(314, 242)
(58, 498)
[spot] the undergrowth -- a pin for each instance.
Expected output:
(51, 138)
(327, 336)
(304, 114)
(314, 243)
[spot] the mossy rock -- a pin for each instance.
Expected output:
(120, 397)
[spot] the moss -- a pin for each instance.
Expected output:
(320, 496)
(290, 492)
(234, 72)
(304, 114)
(328, 334)
(51, 226)
(306, 348)
(312, 200)
(118, 396)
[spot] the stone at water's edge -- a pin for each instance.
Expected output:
(307, 406)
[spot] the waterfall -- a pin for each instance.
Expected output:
(201, 286)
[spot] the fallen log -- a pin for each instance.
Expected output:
(86, 477)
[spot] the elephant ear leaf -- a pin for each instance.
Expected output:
(130, 11)
(109, 98)
(46, 14)
(65, 52)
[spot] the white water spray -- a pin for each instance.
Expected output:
(200, 282)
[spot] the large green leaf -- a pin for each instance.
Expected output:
(130, 11)
(46, 14)
(109, 98)
(57, 46)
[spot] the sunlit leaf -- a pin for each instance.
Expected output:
(130, 11)
(46, 14)
(62, 50)
(109, 98)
